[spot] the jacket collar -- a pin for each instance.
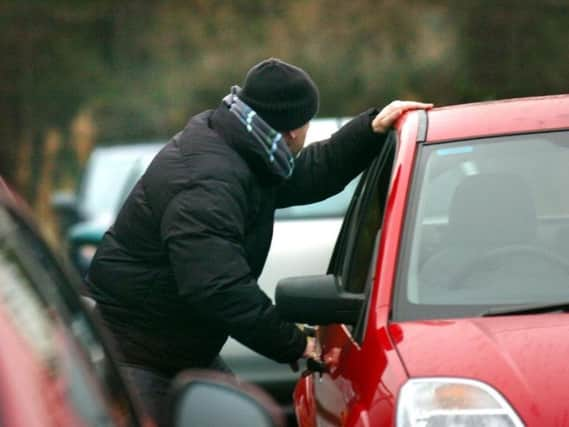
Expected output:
(234, 132)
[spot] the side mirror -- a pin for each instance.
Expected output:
(206, 398)
(317, 300)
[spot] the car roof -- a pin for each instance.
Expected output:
(509, 116)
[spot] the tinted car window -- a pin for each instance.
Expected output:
(353, 252)
(488, 226)
(79, 378)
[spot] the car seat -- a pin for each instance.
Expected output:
(487, 211)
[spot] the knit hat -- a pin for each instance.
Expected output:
(283, 95)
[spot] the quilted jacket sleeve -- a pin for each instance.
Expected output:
(324, 168)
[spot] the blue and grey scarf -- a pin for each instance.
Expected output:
(270, 140)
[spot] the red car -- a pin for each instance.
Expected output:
(55, 367)
(446, 297)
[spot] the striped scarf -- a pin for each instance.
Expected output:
(270, 140)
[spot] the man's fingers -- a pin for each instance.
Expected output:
(391, 112)
(411, 105)
(388, 117)
(392, 115)
(396, 108)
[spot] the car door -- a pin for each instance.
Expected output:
(331, 396)
(54, 365)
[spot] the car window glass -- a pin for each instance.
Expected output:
(489, 226)
(76, 370)
(365, 220)
(360, 327)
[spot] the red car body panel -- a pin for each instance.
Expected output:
(522, 115)
(343, 395)
(363, 382)
(356, 371)
(30, 396)
(524, 357)
(386, 263)
(32, 392)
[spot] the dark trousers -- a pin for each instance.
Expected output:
(151, 389)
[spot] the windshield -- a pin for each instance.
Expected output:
(488, 226)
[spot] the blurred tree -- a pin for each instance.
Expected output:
(191, 52)
(136, 70)
(52, 65)
(512, 48)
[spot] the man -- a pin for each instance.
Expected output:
(176, 274)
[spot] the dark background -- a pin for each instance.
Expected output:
(78, 73)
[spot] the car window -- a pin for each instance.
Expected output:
(488, 226)
(357, 245)
(361, 226)
(76, 371)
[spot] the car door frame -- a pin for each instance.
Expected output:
(371, 371)
(324, 394)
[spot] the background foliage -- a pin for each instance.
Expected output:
(78, 73)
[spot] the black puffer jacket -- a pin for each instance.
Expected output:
(176, 274)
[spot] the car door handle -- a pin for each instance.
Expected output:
(313, 365)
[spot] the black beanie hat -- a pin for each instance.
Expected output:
(283, 95)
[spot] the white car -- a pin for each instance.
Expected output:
(108, 177)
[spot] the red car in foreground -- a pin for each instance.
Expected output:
(55, 367)
(446, 297)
